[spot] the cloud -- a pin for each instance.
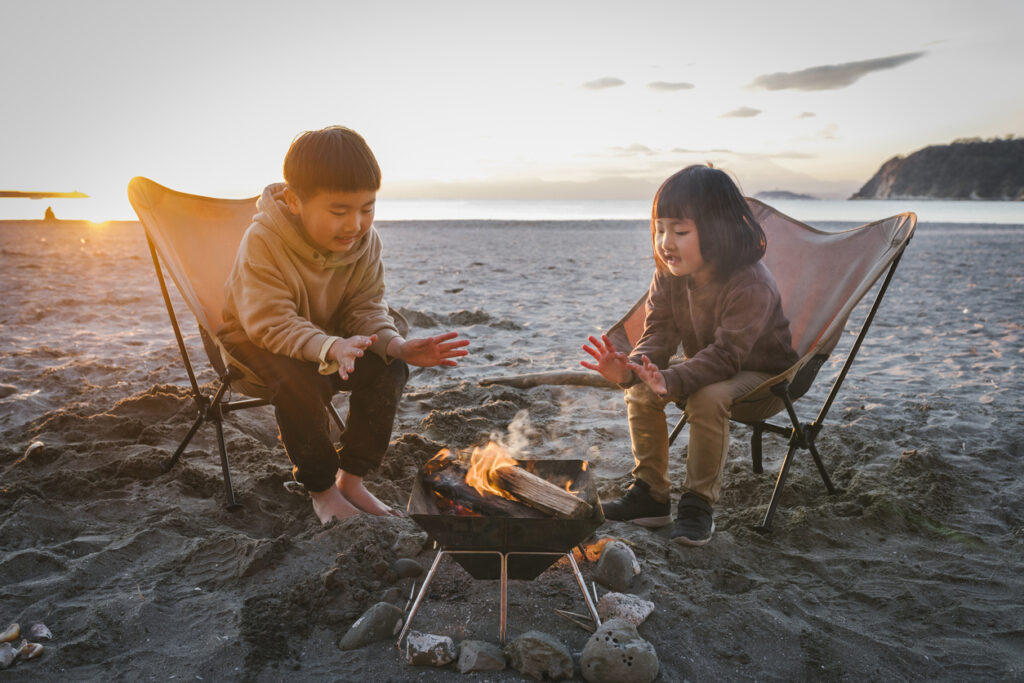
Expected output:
(635, 148)
(666, 86)
(604, 83)
(750, 156)
(829, 132)
(806, 115)
(742, 112)
(830, 76)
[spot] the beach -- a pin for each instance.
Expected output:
(914, 570)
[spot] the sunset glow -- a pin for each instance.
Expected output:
(471, 100)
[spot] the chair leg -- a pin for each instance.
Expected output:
(170, 462)
(678, 428)
(336, 416)
(780, 482)
(821, 468)
(228, 489)
(755, 448)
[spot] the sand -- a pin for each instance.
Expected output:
(914, 570)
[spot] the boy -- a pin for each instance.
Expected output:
(305, 301)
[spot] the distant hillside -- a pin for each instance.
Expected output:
(782, 194)
(967, 169)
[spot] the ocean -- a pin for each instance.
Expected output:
(808, 211)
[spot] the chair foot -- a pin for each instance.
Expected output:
(233, 506)
(762, 529)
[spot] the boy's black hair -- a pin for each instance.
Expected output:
(333, 159)
(730, 236)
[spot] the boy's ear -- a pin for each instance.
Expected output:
(293, 201)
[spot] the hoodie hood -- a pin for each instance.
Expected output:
(272, 212)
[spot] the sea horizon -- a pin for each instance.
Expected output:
(810, 211)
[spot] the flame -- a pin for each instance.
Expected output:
(572, 482)
(438, 462)
(483, 469)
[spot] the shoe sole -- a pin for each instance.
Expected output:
(650, 522)
(683, 540)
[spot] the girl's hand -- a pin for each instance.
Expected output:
(430, 351)
(651, 376)
(345, 351)
(613, 365)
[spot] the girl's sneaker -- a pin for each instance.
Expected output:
(694, 523)
(639, 507)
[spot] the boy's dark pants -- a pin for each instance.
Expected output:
(300, 395)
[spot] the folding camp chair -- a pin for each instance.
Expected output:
(821, 277)
(196, 238)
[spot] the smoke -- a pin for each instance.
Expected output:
(516, 441)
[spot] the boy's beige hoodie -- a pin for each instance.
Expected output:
(287, 295)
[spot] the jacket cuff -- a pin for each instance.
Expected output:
(673, 385)
(380, 347)
(632, 381)
(327, 367)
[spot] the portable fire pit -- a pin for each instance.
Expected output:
(518, 542)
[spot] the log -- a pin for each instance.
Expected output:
(541, 494)
(450, 482)
(559, 377)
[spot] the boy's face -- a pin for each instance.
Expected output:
(335, 220)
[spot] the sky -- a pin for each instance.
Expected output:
(478, 100)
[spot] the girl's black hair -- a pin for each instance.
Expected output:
(730, 236)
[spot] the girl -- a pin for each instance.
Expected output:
(711, 293)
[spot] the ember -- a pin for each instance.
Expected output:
(494, 484)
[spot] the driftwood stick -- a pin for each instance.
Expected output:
(558, 377)
(541, 494)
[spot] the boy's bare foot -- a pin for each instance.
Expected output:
(351, 487)
(330, 504)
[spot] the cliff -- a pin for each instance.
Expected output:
(969, 169)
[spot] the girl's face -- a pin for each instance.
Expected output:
(678, 245)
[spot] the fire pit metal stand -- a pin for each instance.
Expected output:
(503, 560)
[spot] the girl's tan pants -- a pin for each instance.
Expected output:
(708, 411)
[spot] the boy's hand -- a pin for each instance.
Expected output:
(613, 365)
(429, 351)
(651, 376)
(345, 351)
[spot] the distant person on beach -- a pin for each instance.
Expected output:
(712, 294)
(305, 301)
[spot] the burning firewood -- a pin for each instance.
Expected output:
(494, 485)
(541, 494)
(445, 475)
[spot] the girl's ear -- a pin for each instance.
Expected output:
(293, 201)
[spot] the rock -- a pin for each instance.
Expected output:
(407, 568)
(427, 649)
(539, 655)
(479, 655)
(625, 606)
(617, 567)
(7, 655)
(617, 654)
(380, 622)
(393, 596)
(7, 390)
(409, 543)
